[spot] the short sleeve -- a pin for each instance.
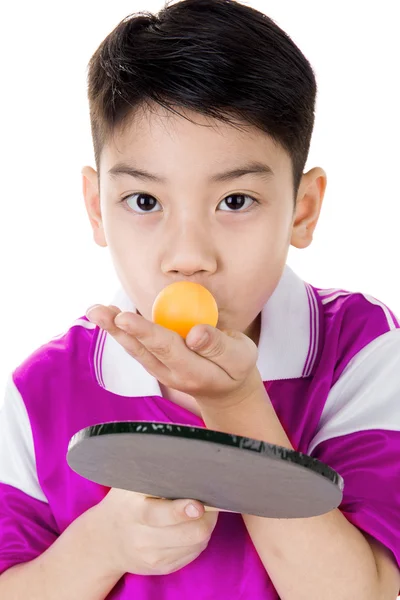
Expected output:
(27, 526)
(359, 437)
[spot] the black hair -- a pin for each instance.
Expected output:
(220, 58)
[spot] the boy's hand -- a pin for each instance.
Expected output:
(221, 370)
(149, 536)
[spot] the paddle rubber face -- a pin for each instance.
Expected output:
(221, 470)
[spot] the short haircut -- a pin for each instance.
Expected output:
(219, 58)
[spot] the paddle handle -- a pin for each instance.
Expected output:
(213, 509)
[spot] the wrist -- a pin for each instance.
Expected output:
(102, 539)
(250, 391)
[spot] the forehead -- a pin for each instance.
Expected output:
(158, 136)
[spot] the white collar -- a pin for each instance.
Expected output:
(287, 347)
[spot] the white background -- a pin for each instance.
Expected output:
(50, 268)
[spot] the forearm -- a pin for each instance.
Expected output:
(320, 557)
(306, 559)
(75, 566)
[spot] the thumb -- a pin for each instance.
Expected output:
(192, 509)
(231, 350)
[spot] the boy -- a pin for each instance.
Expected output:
(201, 119)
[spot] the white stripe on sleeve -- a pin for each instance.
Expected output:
(17, 454)
(367, 394)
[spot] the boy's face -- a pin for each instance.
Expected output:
(231, 235)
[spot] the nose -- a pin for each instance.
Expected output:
(188, 250)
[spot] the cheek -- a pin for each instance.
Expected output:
(124, 239)
(116, 223)
(257, 270)
(135, 269)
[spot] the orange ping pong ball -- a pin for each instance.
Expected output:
(184, 304)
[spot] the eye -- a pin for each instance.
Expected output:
(144, 203)
(237, 201)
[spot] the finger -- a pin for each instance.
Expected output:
(193, 533)
(159, 340)
(169, 347)
(158, 512)
(104, 316)
(233, 351)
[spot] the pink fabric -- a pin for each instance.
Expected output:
(369, 463)
(61, 393)
(27, 527)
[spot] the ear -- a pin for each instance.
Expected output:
(91, 195)
(308, 207)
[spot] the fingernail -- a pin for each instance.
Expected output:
(192, 511)
(91, 308)
(200, 342)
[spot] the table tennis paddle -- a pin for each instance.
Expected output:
(221, 470)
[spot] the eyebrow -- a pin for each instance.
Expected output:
(254, 167)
